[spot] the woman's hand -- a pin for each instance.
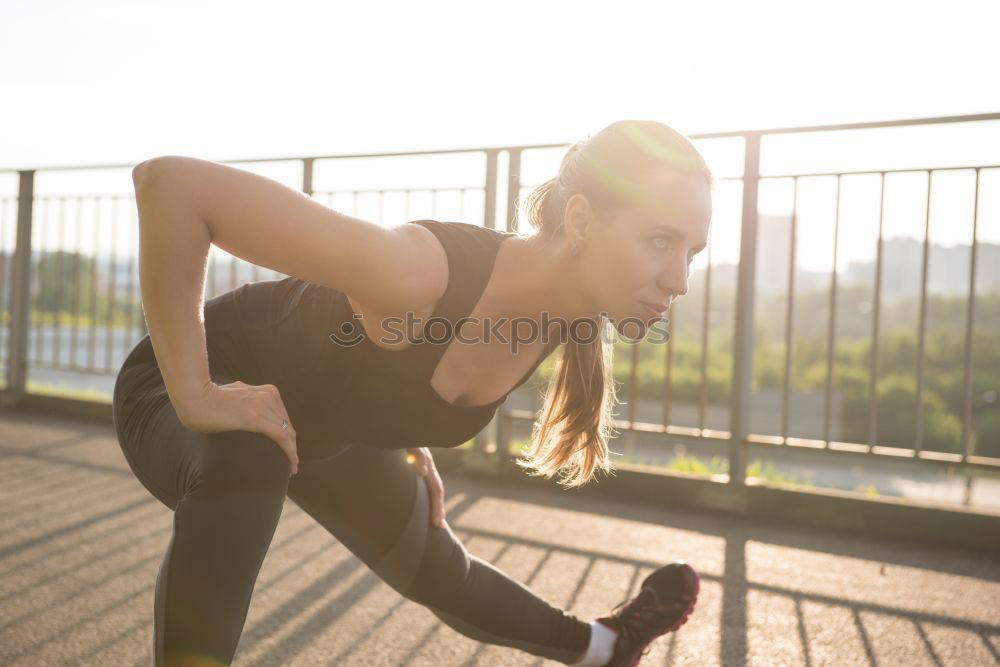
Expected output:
(422, 459)
(241, 407)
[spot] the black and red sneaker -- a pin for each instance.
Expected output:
(663, 604)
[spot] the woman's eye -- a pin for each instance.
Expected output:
(660, 238)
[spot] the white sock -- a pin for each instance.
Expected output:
(601, 647)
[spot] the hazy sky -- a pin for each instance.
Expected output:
(118, 81)
(102, 82)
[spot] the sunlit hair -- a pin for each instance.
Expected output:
(571, 437)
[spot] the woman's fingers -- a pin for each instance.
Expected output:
(437, 491)
(240, 406)
(422, 460)
(273, 414)
(291, 446)
(285, 437)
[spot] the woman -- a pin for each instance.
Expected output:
(309, 387)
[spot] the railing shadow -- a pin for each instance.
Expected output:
(130, 529)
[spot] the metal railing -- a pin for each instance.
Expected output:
(59, 305)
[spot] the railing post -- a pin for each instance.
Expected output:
(491, 433)
(307, 175)
(20, 295)
(513, 187)
(500, 425)
(504, 434)
(490, 190)
(743, 334)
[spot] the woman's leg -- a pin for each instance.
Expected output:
(227, 491)
(375, 504)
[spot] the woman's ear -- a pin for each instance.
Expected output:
(576, 219)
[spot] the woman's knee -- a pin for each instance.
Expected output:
(242, 462)
(444, 569)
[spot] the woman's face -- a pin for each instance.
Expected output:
(641, 254)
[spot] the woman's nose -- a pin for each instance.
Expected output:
(674, 279)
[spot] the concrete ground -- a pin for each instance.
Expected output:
(81, 541)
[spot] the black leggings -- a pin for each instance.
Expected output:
(227, 491)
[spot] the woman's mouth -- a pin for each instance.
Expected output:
(653, 311)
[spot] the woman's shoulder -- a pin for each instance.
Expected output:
(463, 240)
(459, 228)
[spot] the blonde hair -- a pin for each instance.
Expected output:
(571, 438)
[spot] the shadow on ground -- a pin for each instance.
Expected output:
(82, 540)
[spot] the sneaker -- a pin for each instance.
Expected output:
(663, 604)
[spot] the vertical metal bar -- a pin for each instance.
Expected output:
(876, 309)
(786, 380)
(504, 431)
(918, 445)
(513, 188)
(831, 334)
(61, 278)
(10, 242)
(970, 315)
(4, 283)
(77, 283)
(307, 176)
(744, 321)
(633, 382)
(668, 373)
(500, 422)
(17, 369)
(132, 292)
(705, 321)
(140, 309)
(211, 280)
(113, 269)
(631, 436)
(970, 479)
(37, 322)
(93, 286)
(490, 190)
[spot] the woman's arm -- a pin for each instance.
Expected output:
(280, 228)
(173, 256)
(186, 204)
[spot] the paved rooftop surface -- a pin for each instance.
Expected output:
(81, 541)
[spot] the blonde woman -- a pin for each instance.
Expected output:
(331, 386)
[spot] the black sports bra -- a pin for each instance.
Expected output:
(286, 332)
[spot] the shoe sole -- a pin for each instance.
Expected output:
(695, 582)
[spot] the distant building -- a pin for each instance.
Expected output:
(902, 259)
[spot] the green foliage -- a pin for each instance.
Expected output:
(62, 279)
(64, 294)
(95, 395)
(987, 425)
(694, 374)
(868, 489)
(694, 465)
(767, 474)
